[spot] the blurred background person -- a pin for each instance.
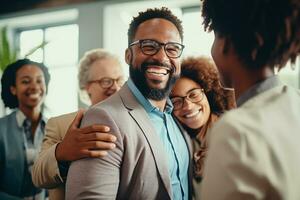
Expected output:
(100, 75)
(24, 87)
(199, 100)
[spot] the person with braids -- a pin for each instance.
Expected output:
(24, 87)
(199, 100)
(254, 149)
(152, 157)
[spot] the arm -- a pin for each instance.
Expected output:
(96, 178)
(45, 171)
(51, 166)
(3, 157)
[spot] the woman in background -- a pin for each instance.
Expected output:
(199, 100)
(24, 87)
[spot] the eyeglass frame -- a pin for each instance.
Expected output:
(187, 97)
(114, 80)
(160, 44)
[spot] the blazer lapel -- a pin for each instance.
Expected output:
(139, 114)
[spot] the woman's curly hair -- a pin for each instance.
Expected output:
(9, 79)
(262, 32)
(203, 71)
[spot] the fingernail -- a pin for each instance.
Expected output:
(113, 139)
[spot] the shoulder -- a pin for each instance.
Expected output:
(112, 107)
(100, 114)
(261, 120)
(8, 126)
(68, 116)
(62, 119)
(8, 119)
(273, 97)
(9, 116)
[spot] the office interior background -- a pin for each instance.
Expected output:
(72, 27)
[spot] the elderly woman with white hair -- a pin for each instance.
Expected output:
(100, 76)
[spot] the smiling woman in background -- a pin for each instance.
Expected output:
(24, 86)
(199, 100)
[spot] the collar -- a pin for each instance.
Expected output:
(258, 88)
(145, 102)
(20, 116)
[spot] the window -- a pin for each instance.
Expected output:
(291, 76)
(197, 41)
(60, 55)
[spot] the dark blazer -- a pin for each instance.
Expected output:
(12, 157)
(136, 169)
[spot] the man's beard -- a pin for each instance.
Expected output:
(138, 76)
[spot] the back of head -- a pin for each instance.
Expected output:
(163, 13)
(262, 32)
(86, 62)
(203, 71)
(9, 79)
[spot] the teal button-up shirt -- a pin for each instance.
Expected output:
(172, 140)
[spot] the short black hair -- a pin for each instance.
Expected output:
(9, 79)
(262, 32)
(153, 13)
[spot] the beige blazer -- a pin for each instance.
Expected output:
(254, 150)
(45, 172)
(136, 169)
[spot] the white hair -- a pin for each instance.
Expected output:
(87, 60)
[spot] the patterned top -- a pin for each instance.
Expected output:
(32, 145)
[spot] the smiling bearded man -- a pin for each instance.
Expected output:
(152, 155)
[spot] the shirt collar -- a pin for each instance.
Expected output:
(20, 116)
(258, 88)
(144, 101)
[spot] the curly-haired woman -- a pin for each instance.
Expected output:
(24, 87)
(199, 100)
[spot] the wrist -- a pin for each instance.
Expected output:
(58, 154)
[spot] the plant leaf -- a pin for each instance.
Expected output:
(34, 49)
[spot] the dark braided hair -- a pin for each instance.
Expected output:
(262, 32)
(163, 13)
(9, 79)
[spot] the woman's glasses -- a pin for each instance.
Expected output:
(195, 95)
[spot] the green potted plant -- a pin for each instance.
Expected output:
(8, 54)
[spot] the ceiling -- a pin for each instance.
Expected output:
(10, 6)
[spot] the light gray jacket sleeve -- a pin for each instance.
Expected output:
(96, 178)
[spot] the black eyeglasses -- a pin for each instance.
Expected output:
(108, 82)
(151, 47)
(195, 95)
